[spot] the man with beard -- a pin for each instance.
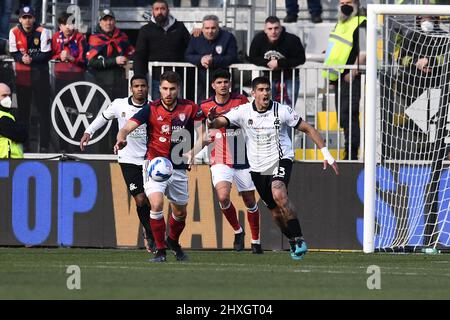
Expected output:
(170, 130)
(343, 49)
(163, 39)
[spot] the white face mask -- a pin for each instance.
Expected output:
(6, 103)
(427, 26)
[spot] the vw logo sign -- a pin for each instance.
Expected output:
(69, 107)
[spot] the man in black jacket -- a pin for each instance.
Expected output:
(279, 51)
(163, 39)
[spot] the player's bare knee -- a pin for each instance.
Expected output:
(249, 199)
(281, 199)
(224, 202)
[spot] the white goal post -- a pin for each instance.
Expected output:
(390, 224)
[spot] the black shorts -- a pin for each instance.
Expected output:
(263, 182)
(133, 178)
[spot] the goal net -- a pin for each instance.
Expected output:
(407, 180)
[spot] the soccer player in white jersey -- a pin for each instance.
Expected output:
(131, 158)
(265, 124)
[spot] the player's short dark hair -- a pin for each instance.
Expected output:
(161, 1)
(221, 73)
(64, 17)
(139, 77)
(170, 76)
(260, 80)
(272, 19)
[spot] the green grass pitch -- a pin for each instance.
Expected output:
(36, 273)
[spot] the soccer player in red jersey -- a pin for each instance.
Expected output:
(170, 128)
(228, 159)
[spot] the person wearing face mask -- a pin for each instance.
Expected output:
(423, 54)
(163, 39)
(12, 133)
(344, 49)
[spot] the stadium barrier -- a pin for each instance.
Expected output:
(86, 204)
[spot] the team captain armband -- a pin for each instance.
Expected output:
(327, 155)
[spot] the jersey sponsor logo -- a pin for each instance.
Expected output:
(83, 113)
(218, 135)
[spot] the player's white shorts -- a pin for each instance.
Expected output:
(241, 177)
(176, 188)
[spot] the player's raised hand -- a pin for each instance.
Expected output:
(120, 144)
(333, 165)
(84, 141)
(213, 113)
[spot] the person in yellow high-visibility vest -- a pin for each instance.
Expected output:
(344, 49)
(12, 134)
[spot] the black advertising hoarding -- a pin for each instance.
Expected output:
(86, 204)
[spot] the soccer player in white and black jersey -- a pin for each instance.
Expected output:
(130, 158)
(265, 124)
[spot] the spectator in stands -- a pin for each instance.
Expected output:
(69, 53)
(69, 50)
(344, 49)
(12, 133)
(162, 39)
(30, 46)
(422, 64)
(279, 51)
(108, 55)
(215, 48)
(292, 10)
(5, 16)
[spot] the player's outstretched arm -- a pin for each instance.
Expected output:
(99, 122)
(318, 140)
(129, 127)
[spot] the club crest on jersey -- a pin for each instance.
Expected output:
(124, 114)
(182, 116)
(165, 128)
(219, 49)
(36, 41)
(250, 122)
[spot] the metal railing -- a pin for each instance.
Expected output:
(313, 100)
